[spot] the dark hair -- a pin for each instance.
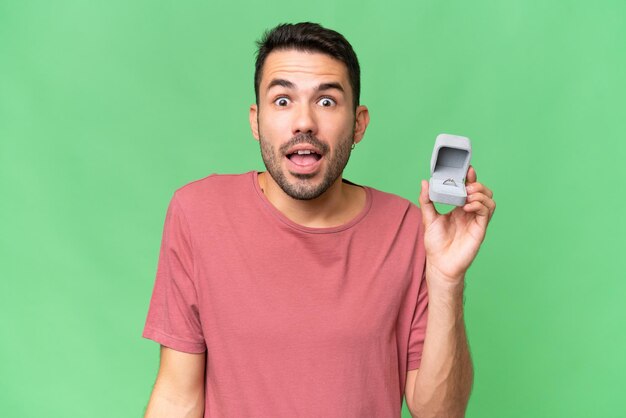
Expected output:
(310, 37)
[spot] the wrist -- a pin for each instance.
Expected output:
(442, 283)
(445, 300)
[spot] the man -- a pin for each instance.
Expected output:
(296, 293)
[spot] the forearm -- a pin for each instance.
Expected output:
(444, 380)
(166, 402)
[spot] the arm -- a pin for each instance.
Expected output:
(179, 388)
(443, 384)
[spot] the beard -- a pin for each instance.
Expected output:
(303, 188)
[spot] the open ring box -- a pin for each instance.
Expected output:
(450, 160)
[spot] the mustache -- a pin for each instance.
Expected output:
(305, 138)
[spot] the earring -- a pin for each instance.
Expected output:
(353, 145)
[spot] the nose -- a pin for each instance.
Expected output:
(304, 120)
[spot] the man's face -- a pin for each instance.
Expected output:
(305, 121)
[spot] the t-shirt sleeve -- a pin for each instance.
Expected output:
(173, 317)
(420, 316)
(418, 327)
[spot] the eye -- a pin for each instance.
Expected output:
(281, 101)
(327, 102)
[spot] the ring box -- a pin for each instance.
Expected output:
(450, 160)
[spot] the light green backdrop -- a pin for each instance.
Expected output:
(107, 107)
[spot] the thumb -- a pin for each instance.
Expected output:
(429, 213)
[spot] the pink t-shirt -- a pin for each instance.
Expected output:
(296, 321)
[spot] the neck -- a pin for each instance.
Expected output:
(336, 206)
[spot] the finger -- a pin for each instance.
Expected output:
(471, 175)
(478, 208)
(429, 213)
(478, 188)
(480, 213)
(489, 203)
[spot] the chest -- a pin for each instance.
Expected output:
(329, 291)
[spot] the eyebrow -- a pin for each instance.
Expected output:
(330, 86)
(288, 84)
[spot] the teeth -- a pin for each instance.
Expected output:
(303, 151)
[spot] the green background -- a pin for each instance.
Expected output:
(107, 107)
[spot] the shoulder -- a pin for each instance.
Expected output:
(389, 202)
(214, 190)
(396, 221)
(213, 184)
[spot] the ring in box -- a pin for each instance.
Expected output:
(448, 167)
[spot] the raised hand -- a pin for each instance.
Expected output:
(452, 240)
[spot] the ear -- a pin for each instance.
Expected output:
(360, 124)
(254, 122)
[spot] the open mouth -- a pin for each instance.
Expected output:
(304, 157)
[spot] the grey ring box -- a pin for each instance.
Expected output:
(450, 160)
